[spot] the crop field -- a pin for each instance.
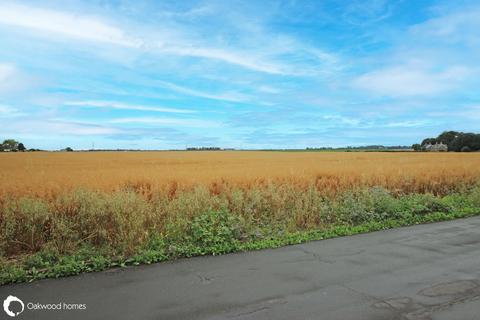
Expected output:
(48, 174)
(69, 212)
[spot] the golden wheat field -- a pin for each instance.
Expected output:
(48, 173)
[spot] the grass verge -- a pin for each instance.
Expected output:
(92, 232)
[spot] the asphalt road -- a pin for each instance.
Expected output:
(421, 272)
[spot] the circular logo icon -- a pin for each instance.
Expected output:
(6, 306)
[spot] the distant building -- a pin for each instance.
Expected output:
(437, 147)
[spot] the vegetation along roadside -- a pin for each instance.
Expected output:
(84, 230)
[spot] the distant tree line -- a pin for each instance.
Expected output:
(455, 141)
(11, 145)
(204, 149)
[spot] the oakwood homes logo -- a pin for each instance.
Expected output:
(6, 306)
(13, 306)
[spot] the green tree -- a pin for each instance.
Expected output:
(456, 141)
(429, 141)
(470, 140)
(447, 137)
(9, 144)
(416, 147)
(21, 147)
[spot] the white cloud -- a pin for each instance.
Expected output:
(94, 29)
(73, 128)
(55, 127)
(339, 119)
(464, 112)
(436, 57)
(6, 72)
(363, 13)
(124, 106)
(167, 121)
(407, 124)
(192, 13)
(268, 89)
(10, 112)
(4, 109)
(11, 79)
(241, 59)
(228, 96)
(64, 23)
(266, 56)
(454, 26)
(411, 80)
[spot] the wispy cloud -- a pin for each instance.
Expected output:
(95, 29)
(124, 106)
(44, 126)
(167, 121)
(268, 89)
(436, 57)
(407, 124)
(465, 113)
(64, 23)
(244, 59)
(76, 128)
(10, 112)
(412, 80)
(339, 119)
(6, 71)
(461, 24)
(11, 79)
(226, 96)
(6, 110)
(361, 13)
(181, 44)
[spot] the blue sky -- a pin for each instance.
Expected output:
(243, 74)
